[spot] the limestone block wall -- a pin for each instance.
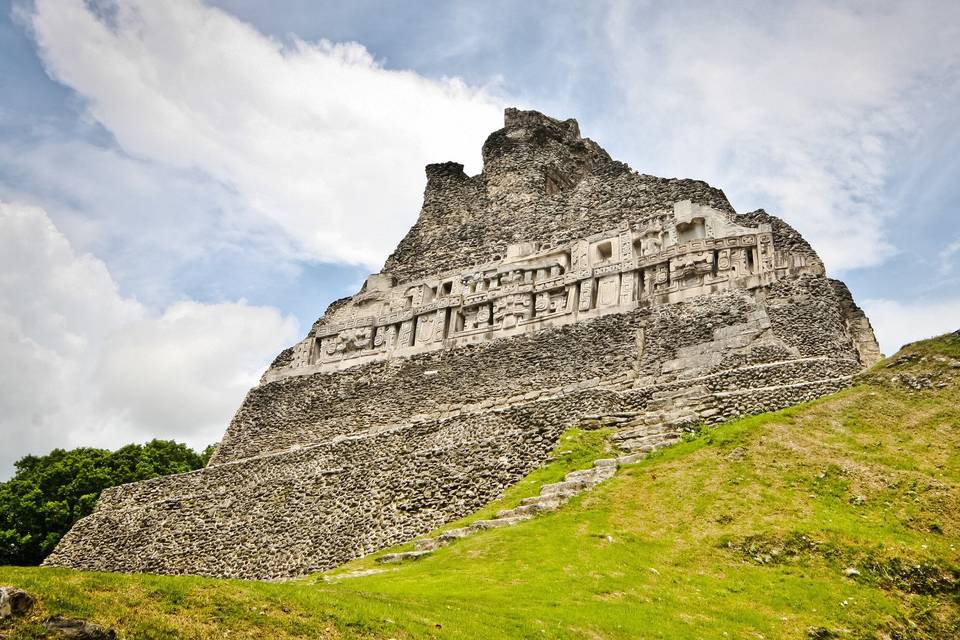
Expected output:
(803, 317)
(292, 513)
(289, 514)
(857, 325)
(309, 409)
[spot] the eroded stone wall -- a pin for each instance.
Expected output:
(313, 408)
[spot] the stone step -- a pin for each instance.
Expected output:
(582, 474)
(604, 473)
(651, 439)
(393, 558)
(547, 502)
(430, 544)
(681, 416)
(455, 534)
(566, 495)
(658, 431)
(605, 462)
(635, 445)
(565, 487)
(525, 510)
(638, 448)
(633, 422)
(631, 458)
(648, 444)
(641, 431)
(627, 434)
(645, 448)
(496, 523)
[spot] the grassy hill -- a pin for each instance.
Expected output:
(835, 519)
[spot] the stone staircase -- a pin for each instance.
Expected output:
(634, 437)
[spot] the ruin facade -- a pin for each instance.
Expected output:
(557, 286)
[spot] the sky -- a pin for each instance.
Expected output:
(185, 185)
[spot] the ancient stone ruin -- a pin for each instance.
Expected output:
(556, 287)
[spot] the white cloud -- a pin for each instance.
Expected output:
(85, 366)
(161, 230)
(316, 136)
(948, 257)
(897, 323)
(209, 354)
(797, 108)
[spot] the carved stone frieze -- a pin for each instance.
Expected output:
(671, 258)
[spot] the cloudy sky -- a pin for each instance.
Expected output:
(184, 186)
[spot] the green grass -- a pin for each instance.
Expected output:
(742, 532)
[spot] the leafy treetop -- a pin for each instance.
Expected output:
(48, 494)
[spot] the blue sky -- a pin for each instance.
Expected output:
(184, 186)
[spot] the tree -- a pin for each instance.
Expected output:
(48, 494)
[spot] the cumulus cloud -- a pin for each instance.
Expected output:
(897, 323)
(798, 108)
(208, 354)
(318, 137)
(85, 366)
(163, 231)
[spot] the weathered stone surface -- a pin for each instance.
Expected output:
(558, 287)
(78, 629)
(14, 602)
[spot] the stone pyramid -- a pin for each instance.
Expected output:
(558, 287)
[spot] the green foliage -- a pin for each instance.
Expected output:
(49, 493)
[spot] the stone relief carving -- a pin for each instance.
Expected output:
(511, 309)
(348, 340)
(627, 284)
(666, 260)
(425, 328)
(608, 291)
(586, 295)
(405, 335)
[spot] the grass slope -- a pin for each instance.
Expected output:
(746, 531)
